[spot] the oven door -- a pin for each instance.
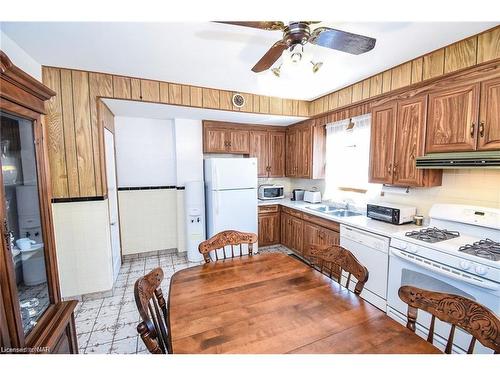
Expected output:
(404, 270)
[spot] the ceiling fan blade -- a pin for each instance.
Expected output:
(270, 57)
(265, 25)
(342, 40)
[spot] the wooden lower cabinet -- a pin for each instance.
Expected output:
(292, 232)
(299, 231)
(269, 225)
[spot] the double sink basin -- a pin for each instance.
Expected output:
(334, 211)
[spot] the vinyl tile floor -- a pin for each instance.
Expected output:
(109, 325)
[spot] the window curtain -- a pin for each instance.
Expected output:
(347, 155)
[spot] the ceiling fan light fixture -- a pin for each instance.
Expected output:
(316, 66)
(276, 71)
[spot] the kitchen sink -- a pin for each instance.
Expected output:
(334, 211)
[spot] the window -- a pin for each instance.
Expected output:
(347, 157)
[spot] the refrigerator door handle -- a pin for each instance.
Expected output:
(216, 177)
(216, 202)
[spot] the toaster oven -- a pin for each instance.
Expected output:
(391, 213)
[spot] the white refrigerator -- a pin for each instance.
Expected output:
(231, 195)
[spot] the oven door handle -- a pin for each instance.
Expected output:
(460, 276)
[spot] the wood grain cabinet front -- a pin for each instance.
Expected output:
(489, 116)
(397, 139)
(269, 226)
(305, 150)
(453, 119)
(268, 146)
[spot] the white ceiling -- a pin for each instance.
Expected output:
(128, 108)
(221, 56)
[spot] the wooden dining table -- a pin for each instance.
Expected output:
(273, 303)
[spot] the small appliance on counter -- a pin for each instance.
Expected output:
(312, 196)
(270, 191)
(391, 213)
(298, 194)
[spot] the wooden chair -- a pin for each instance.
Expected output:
(227, 238)
(333, 259)
(152, 308)
(459, 311)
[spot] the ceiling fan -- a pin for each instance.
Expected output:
(298, 33)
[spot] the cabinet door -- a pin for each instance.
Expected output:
(311, 235)
(285, 229)
(259, 148)
(410, 143)
(296, 235)
(239, 141)
(382, 143)
(215, 140)
(304, 156)
(330, 237)
(277, 154)
(291, 153)
(269, 229)
(489, 119)
(452, 119)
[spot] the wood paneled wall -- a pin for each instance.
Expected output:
(75, 132)
(466, 53)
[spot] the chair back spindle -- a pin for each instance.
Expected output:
(480, 322)
(334, 259)
(229, 243)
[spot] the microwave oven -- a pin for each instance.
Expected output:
(391, 213)
(271, 192)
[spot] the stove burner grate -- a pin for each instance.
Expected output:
(487, 249)
(432, 235)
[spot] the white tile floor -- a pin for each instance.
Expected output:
(108, 325)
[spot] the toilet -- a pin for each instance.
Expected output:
(33, 261)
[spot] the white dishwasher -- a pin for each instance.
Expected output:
(372, 250)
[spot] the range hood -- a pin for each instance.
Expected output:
(457, 160)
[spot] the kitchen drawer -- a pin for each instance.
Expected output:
(333, 225)
(292, 212)
(268, 209)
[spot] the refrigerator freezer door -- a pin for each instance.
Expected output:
(231, 173)
(232, 210)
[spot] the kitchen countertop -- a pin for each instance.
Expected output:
(360, 222)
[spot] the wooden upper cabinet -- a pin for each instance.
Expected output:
(215, 140)
(410, 141)
(276, 158)
(292, 153)
(489, 118)
(452, 121)
(259, 148)
(238, 141)
(383, 129)
(305, 150)
(305, 159)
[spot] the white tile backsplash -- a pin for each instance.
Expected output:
(148, 220)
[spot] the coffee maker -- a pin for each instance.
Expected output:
(297, 195)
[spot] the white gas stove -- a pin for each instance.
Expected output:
(458, 253)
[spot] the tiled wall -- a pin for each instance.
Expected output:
(83, 245)
(461, 186)
(148, 220)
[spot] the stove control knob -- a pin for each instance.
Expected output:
(464, 265)
(481, 270)
(412, 249)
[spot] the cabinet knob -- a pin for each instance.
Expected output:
(389, 170)
(472, 128)
(481, 129)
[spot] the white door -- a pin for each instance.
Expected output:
(113, 202)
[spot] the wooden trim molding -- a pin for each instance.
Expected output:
(456, 57)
